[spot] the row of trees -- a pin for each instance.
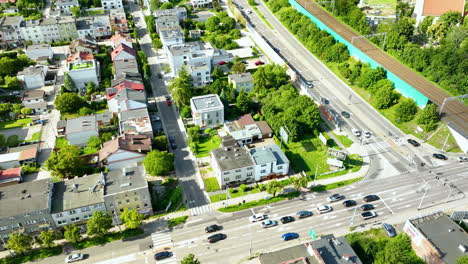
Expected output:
(159, 162)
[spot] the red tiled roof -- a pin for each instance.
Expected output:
(10, 173)
(119, 36)
(122, 48)
(439, 7)
(28, 154)
(245, 120)
(80, 55)
(111, 92)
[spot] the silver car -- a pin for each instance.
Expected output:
(74, 257)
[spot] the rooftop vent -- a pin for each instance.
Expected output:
(74, 188)
(336, 242)
(123, 185)
(451, 230)
(127, 171)
(463, 248)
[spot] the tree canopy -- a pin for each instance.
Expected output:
(99, 224)
(19, 242)
(406, 110)
(159, 162)
(131, 218)
(273, 187)
(180, 88)
(190, 259)
(72, 233)
(66, 163)
(69, 102)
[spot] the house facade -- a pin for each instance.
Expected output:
(34, 99)
(78, 130)
(135, 122)
(125, 151)
(126, 99)
(207, 110)
(33, 76)
(37, 51)
(10, 31)
(242, 81)
(179, 12)
(111, 4)
(84, 71)
(270, 162)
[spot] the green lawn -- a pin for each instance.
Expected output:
(211, 184)
(177, 221)
(344, 140)
(35, 136)
(89, 150)
(235, 208)
(15, 123)
(206, 144)
(61, 142)
(439, 137)
(235, 193)
(321, 188)
(94, 241)
(352, 164)
(64, 116)
(33, 255)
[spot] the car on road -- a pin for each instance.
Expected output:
(249, 12)
(335, 198)
(324, 209)
(212, 228)
(371, 198)
(345, 114)
(413, 142)
(368, 215)
(462, 159)
(439, 156)
(160, 76)
(221, 63)
(289, 236)
(168, 100)
(172, 142)
(257, 217)
(74, 257)
(287, 219)
(356, 132)
(349, 203)
(216, 237)
(310, 84)
(325, 101)
(163, 255)
(257, 63)
(366, 133)
(367, 207)
(269, 223)
(391, 232)
(304, 214)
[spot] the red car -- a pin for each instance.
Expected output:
(168, 101)
(221, 63)
(259, 63)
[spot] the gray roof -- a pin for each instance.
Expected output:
(241, 78)
(182, 49)
(11, 21)
(436, 228)
(170, 18)
(83, 24)
(32, 70)
(268, 154)
(126, 76)
(171, 32)
(131, 94)
(287, 254)
(122, 66)
(82, 123)
(125, 180)
(38, 47)
(66, 2)
(333, 249)
(232, 157)
(206, 103)
(24, 197)
(85, 193)
(21, 148)
(135, 113)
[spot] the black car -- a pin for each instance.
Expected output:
(212, 228)
(349, 203)
(303, 214)
(287, 219)
(345, 114)
(439, 156)
(216, 238)
(413, 142)
(371, 198)
(172, 141)
(162, 255)
(367, 207)
(160, 76)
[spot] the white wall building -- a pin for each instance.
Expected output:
(64, 5)
(84, 71)
(179, 12)
(207, 110)
(33, 76)
(201, 3)
(37, 51)
(270, 161)
(111, 4)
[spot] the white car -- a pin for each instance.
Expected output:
(462, 159)
(356, 132)
(368, 215)
(249, 11)
(257, 217)
(366, 133)
(74, 257)
(324, 209)
(269, 223)
(334, 198)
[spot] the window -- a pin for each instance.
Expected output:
(85, 209)
(62, 222)
(71, 212)
(217, 114)
(249, 168)
(146, 205)
(128, 200)
(238, 176)
(262, 171)
(263, 165)
(238, 170)
(226, 179)
(58, 215)
(137, 207)
(249, 173)
(279, 167)
(209, 122)
(119, 202)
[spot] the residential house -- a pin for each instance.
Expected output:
(111, 4)
(179, 12)
(78, 130)
(201, 3)
(207, 110)
(26, 208)
(171, 35)
(10, 31)
(34, 99)
(84, 27)
(135, 122)
(195, 34)
(125, 151)
(166, 22)
(123, 52)
(102, 26)
(126, 76)
(64, 6)
(11, 176)
(19, 158)
(246, 130)
(436, 238)
(436, 8)
(126, 99)
(83, 69)
(117, 87)
(35, 52)
(75, 200)
(118, 20)
(125, 67)
(242, 81)
(33, 76)
(127, 188)
(270, 162)
(84, 45)
(329, 249)
(52, 29)
(232, 164)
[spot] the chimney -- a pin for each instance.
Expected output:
(139, 150)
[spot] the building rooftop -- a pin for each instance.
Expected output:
(179, 50)
(130, 94)
(77, 192)
(438, 8)
(135, 121)
(444, 234)
(125, 180)
(32, 70)
(11, 21)
(66, 2)
(172, 11)
(292, 255)
(248, 132)
(125, 66)
(334, 250)
(245, 120)
(264, 127)
(119, 36)
(10, 175)
(24, 198)
(174, 31)
(126, 76)
(123, 48)
(89, 122)
(206, 103)
(80, 65)
(38, 47)
(80, 56)
(33, 94)
(135, 143)
(232, 157)
(241, 78)
(268, 154)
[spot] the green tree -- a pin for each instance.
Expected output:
(66, 163)
(273, 187)
(160, 142)
(99, 224)
(131, 218)
(159, 162)
(47, 238)
(238, 67)
(85, 111)
(404, 9)
(406, 110)
(68, 83)
(91, 88)
(425, 24)
(217, 73)
(167, 5)
(69, 102)
(385, 97)
(19, 242)
(12, 82)
(155, 4)
(5, 109)
(2, 140)
(180, 88)
(462, 259)
(94, 142)
(242, 187)
(428, 115)
(12, 141)
(190, 259)
(72, 233)
(299, 182)
(75, 10)
(26, 111)
(193, 134)
(16, 108)
(243, 102)
(212, 24)
(398, 250)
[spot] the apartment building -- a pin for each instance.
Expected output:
(207, 110)
(111, 4)
(10, 31)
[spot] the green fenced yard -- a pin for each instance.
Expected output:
(206, 144)
(15, 123)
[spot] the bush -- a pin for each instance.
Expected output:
(33, 255)
(177, 221)
(99, 240)
(12, 141)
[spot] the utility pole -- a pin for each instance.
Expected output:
(315, 175)
(425, 191)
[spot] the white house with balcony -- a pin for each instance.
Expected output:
(111, 4)
(270, 162)
(84, 71)
(207, 110)
(33, 76)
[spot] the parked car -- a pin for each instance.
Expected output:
(212, 228)
(310, 84)
(413, 142)
(349, 203)
(287, 219)
(289, 236)
(249, 12)
(439, 156)
(346, 114)
(172, 142)
(325, 101)
(356, 132)
(462, 159)
(15, 93)
(335, 198)
(371, 198)
(367, 207)
(221, 63)
(74, 257)
(259, 63)
(168, 100)
(216, 237)
(163, 255)
(324, 209)
(303, 214)
(368, 215)
(257, 217)
(269, 223)
(366, 133)
(391, 232)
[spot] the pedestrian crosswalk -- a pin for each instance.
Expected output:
(376, 147)
(200, 210)
(161, 239)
